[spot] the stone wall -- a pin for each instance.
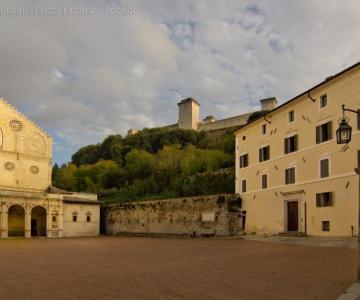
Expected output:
(225, 123)
(215, 215)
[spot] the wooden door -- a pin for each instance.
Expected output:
(292, 216)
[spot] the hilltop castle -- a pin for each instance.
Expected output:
(189, 117)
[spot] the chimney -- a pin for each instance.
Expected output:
(268, 103)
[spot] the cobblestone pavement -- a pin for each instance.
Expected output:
(155, 268)
(342, 242)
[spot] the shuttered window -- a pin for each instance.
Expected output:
(324, 168)
(264, 153)
(291, 144)
(323, 101)
(264, 181)
(243, 186)
(290, 175)
(244, 160)
(324, 199)
(324, 132)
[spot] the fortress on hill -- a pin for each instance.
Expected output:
(189, 117)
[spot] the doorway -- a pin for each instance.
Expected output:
(38, 221)
(292, 216)
(16, 220)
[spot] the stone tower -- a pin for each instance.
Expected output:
(189, 111)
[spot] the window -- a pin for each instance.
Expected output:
(244, 160)
(323, 101)
(325, 225)
(324, 132)
(324, 199)
(263, 129)
(290, 175)
(324, 168)
(291, 144)
(358, 119)
(74, 218)
(264, 153)
(291, 116)
(243, 186)
(54, 218)
(264, 181)
(88, 218)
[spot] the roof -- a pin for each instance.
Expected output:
(11, 107)
(327, 80)
(189, 100)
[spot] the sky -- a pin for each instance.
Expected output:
(83, 70)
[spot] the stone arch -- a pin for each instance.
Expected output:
(16, 220)
(38, 221)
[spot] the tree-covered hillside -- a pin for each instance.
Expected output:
(154, 163)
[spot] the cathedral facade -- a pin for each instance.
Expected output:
(29, 205)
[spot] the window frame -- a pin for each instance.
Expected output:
(261, 153)
(286, 177)
(263, 129)
(320, 201)
(264, 175)
(319, 132)
(291, 116)
(241, 165)
(287, 143)
(242, 181)
(323, 96)
(322, 158)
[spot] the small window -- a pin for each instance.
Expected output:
(54, 218)
(324, 199)
(243, 186)
(263, 129)
(325, 225)
(323, 101)
(244, 160)
(264, 153)
(291, 116)
(324, 132)
(244, 137)
(88, 218)
(290, 175)
(264, 181)
(358, 119)
(291, 144)
(74, 218)
(324, 168)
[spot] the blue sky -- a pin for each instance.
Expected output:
(83, 77)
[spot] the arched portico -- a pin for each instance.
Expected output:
(16, 220)
(38, 221)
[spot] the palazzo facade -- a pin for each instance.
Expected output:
(29, 205)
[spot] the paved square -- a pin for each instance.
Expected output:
(152, 268)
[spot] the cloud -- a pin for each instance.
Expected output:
(86, 76)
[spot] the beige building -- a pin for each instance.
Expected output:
(29, 205)
(291, 173)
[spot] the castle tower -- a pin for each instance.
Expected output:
(189, 114)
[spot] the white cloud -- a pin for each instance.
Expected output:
(83, 77)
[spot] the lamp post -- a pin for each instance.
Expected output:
(343, 136)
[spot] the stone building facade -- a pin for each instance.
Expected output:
(291, 173)
(29, 205)
(215, 215)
